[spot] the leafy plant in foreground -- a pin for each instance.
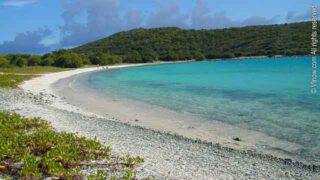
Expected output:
(31, 149)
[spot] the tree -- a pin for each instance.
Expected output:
(4, 62)
(34, 61)
(68, 59)
(168, 43)
(149, 56)
(117, 59)
(21, 62)
(100, 58)
(85, 59)
(134, 57)
(48, 61)
(170, 56)
(199, 56)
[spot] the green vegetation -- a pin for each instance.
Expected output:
(12, 81)
(104, 59)
(12, 76)
(145, 45)
(31, 149)
(32, 70)
(169, 44)
(61, 58)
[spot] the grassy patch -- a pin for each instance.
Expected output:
(12, 81)
(32, 69)
(31, 149)
(12, 77)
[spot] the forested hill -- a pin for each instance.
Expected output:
(175, 43)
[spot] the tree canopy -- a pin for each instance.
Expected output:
(143, 45)
(170, 44)
(61, 58)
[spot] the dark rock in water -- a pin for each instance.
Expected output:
(136, 120)
(287, 161)
(254, 164)
(236, 139)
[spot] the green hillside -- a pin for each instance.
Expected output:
(174, 43)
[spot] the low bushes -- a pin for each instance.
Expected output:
(31, 149)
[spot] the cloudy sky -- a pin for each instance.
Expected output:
(38, 26)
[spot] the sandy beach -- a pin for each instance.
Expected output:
(161, 119)
(185, 149)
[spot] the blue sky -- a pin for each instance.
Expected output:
(38, 26)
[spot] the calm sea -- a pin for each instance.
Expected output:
(266, 95)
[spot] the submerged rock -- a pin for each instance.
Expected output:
(236, 139)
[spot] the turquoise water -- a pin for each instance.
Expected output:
(267, 95)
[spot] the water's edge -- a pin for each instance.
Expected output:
(221, 135)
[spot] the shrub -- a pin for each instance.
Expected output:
(134, 57)
(47, 61)
(34, 61)
(4, 62)
(149, 57)
(31, 149)
(21, 62)
(68, 59)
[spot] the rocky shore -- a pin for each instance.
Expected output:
(167, 156)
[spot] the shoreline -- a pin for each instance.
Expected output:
(177, 157)
(63, 85)
(43, 83)
(153, 117)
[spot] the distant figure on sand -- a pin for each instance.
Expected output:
(98, 66)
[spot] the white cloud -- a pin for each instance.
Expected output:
(101, 18)
(203, 19)
(89, 20)
(27, 42)
(167, 15)
(293, 16)
(17, 3)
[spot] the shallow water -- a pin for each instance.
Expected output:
(266, 95)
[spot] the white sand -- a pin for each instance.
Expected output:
(167, 157)
(43, 83)
(149, 116)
